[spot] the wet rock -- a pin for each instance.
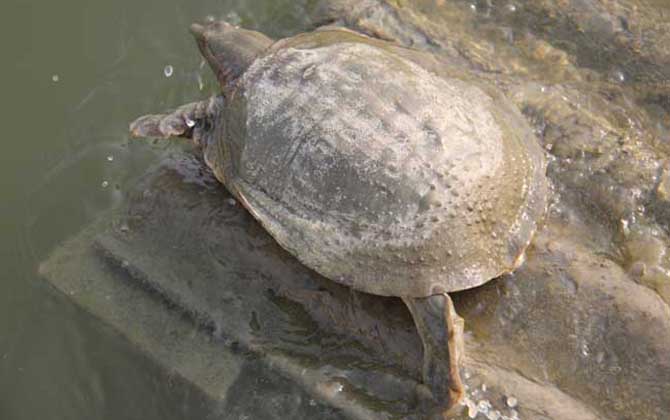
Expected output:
(573, 318)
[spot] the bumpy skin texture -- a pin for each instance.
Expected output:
(377, 173)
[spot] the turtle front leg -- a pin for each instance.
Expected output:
(441, 331)
(189, 121)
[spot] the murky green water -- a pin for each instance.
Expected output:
(73, 75)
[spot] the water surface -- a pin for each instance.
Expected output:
(73, 75)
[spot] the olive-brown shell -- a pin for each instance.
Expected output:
(376, 172)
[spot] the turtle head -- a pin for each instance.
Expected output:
(228, 49)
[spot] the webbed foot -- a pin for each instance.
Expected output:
(441, 331)
(188, 121)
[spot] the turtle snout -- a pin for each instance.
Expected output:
(198, 31)
(219, 27)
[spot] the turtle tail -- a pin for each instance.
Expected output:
(191, 121)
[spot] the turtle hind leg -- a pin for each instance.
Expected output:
(441, 332)
(188, 121)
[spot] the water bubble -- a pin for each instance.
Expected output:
(618, 76)
(210, 19)
(168, 71)
(625, 229)
(110, 158)
(189, 122)
(231, 202)
(483, 407)
(473, 7)
(511, 7)
(585, 350)
(55, 78)
(104, 184)
(511, 401)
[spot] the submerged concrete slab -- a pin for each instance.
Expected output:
(186, 352)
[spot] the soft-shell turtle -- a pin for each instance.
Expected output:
(373, 170)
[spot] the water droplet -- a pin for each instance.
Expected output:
(104, 184)
(55, 78)
(511, 7)
(201, 83)
(511, 401)
(618, 76)
(483, 407)
(110, 158)
(473, 7)
(585, 350)
(168, 71)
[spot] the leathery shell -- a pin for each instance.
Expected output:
(376, 172)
